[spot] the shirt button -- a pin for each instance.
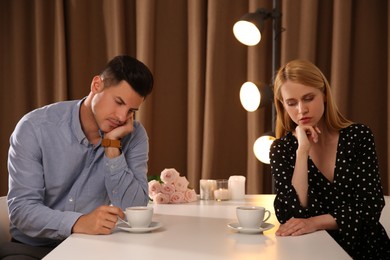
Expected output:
(70, 200)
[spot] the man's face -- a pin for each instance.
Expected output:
(113, 106)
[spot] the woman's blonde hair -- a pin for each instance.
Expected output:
(305, 73)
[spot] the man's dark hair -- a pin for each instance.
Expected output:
(131, 70)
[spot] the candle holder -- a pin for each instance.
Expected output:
(222, 191)
(207, 188)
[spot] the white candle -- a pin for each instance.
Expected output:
(221, 194)
(237, 187)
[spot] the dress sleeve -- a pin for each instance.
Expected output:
(363, 186)
(286, 204)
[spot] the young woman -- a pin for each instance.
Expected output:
(325, 167)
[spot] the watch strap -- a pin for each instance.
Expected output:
(111, 143)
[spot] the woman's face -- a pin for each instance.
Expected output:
(305, 105)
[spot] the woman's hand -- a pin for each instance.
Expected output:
(296, 227)
(300, 226)
(306, 135)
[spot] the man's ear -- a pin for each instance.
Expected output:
(97, 84)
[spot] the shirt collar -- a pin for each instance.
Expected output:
(76, 123)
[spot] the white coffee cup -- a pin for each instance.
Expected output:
(139, 217)
(251, 216)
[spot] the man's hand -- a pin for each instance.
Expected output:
(100, 221)
(120, 131)
(116, 134)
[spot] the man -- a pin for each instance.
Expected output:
(74, 165)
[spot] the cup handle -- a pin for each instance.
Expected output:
(269, 215)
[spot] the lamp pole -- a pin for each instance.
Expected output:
(276, 33)
(252, 23)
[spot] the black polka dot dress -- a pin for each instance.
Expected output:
(354, 198)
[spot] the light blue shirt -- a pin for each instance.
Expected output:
(56, 175)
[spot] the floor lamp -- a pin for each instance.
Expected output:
(248, 31)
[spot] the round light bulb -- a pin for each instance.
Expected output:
(262, 147)
(247, 33)
(250, 96)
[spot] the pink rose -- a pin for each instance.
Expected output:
(181, 183)
(190, 195)
(161, 198)
(169, 175)
(167, 188)
(173, 189)
(154, 188)
(177, 197)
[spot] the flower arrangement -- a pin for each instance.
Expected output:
(172, 188)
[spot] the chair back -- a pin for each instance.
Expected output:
(4, 220)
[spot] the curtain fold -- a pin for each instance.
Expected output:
(197, 17)
(224, 139)
(341, 53)
(114, 26)
(59, 51)
(51, 50)
(144, 22)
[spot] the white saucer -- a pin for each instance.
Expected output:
(264, 227)
(152, 226)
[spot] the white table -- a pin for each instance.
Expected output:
(385, 217)
(199, 231)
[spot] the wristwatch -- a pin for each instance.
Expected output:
(111, 143)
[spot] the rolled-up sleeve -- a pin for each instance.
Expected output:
(126, 177)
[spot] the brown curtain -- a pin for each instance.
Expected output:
(51, 49)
